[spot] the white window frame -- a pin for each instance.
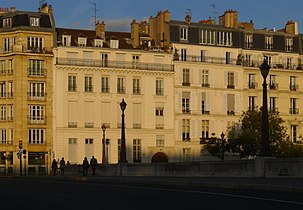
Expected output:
(183, 33)
(66, 40)
(34, 21)
(36, 136)
(82, 41)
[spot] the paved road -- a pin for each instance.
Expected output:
(59, 194)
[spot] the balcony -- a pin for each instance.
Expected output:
(293, 87)
(206, 59)
(36, 72)
(252, 85)
(6, 72)
(185, 83)
(31, 119)
(24, 49)
(273, 86)
(114, 64)
(39, 96)
(186, 111)
(231, 86)
(205, 85)
(294, 111)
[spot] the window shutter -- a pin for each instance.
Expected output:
(193, 129)
(207, 98)
(238, 101)
(193, 101)
(180, 76)
(179, 102)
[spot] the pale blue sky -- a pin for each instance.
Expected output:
(118, 14)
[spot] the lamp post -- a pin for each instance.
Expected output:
(222, 146)
(107, 142)
(103, 144)
(123, 147)
(265, 147)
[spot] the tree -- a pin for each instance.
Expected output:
(245, 138)
(217, 146)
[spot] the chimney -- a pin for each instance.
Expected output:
(229, 19)
(50, 9)
(3, 10)
(135, 34)
(291, 27)
(13, 9)
(187, 19)
(100, 29)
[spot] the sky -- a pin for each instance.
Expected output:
(118, 14)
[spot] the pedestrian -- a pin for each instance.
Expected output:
(85, 166)
(93, 163)
(62, 166)
(54, 167)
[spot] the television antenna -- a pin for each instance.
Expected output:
(213, 10)
(95, 11)
(188, 12)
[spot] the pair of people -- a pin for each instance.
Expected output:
(93, 163)
(55, 166)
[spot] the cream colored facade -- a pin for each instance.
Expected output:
(26, 90)
(79, 113)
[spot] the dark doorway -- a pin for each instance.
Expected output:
(159, 157)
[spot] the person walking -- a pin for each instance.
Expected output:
(85, 166)
(93, 163)
(62, 166)
(54, 167)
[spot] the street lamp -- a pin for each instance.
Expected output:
(222, 146)
(265, 147)
(103, 144)
(107, 142)
(123, 147)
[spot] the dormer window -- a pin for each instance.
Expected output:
(81, 41)
(98, 43)
(268, 42)
(34, 21)
(183, 33)
(114, 44)
(289, 44)
(66, 40)
(7, 22)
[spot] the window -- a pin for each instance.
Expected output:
(89, 141)
(36, 114)
(88, 84)
(186, 154)
(98, 43)
(3, 136)
(10, 66)
(104, 59)
(10, 89)
(203, 56)
(3, 113)
(294, 131)
(205, 104)
(252, 81)
(268, 42)
(159, 111)
(6, 46)
(185, 129)
(105, 84)
(207, 37)
(268, 58)
(72, 141)
(10, 136)
(289, 44)
(36, 91)
(72, 83)
(230, 80)
(204, 79)
(205, 129)
(36, 136)
(273, 104)
(66, 40)
(230, 104)
(121, 85)
(292, 83)
(273, 85)
(289, 64)
(252, 103)
(160, 141)
(185, 102)
(183, 33)
(160, 87)
(36, 68)
(82, 41)
(248, 61)
(183, 54)
(114, 44)
(10, 112)
(224, 38)
(34, 21)
(35, 44)
(137, 150)
(228, 57)
(2, 89)
(2, 67)
(7, 22)
(136, 86)
(293, 106)
(248, 40)
(186, 76)
(136, 60)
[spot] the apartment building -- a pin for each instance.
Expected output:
(26, 60)
(94, 71)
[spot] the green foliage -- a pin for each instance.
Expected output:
(217, 147)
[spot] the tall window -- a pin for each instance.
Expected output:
(248, 61)
(185, 129)
(183, 33)
(230, 80)
(230, 104)
(160, 141)
(252, 103)
(10, 112)
(3, 113)
(35, 43)
(104, 59)
(88, 84)
(159, 111)
(294, 133)
(2, 67)
(205, 129)
(6, 45)
(7, 22)
(268, 42)
(273, 85)
(205, 104)
(34, 21)
(224, 38)
(252, 81)
(82, 41)
(293, 106)
(292, 83)
(105, 84)
(136, 86)
(205, 80)
(186, 76)
(160, 87)
(72, 83)
(185, 102)
(248, 42)
(36, 114)
(183, 54)
(203, 56)
(228, 57)
(289, 44)
(36, 91)
(36, 68)
(186, 154)
(36, 136)
(2, 89)
(137, 151)
(121, 85)
(66, 40)
(3, 136)
(136, 60)
(273, 104)
(207, 37)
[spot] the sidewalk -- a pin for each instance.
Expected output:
(286, 185)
